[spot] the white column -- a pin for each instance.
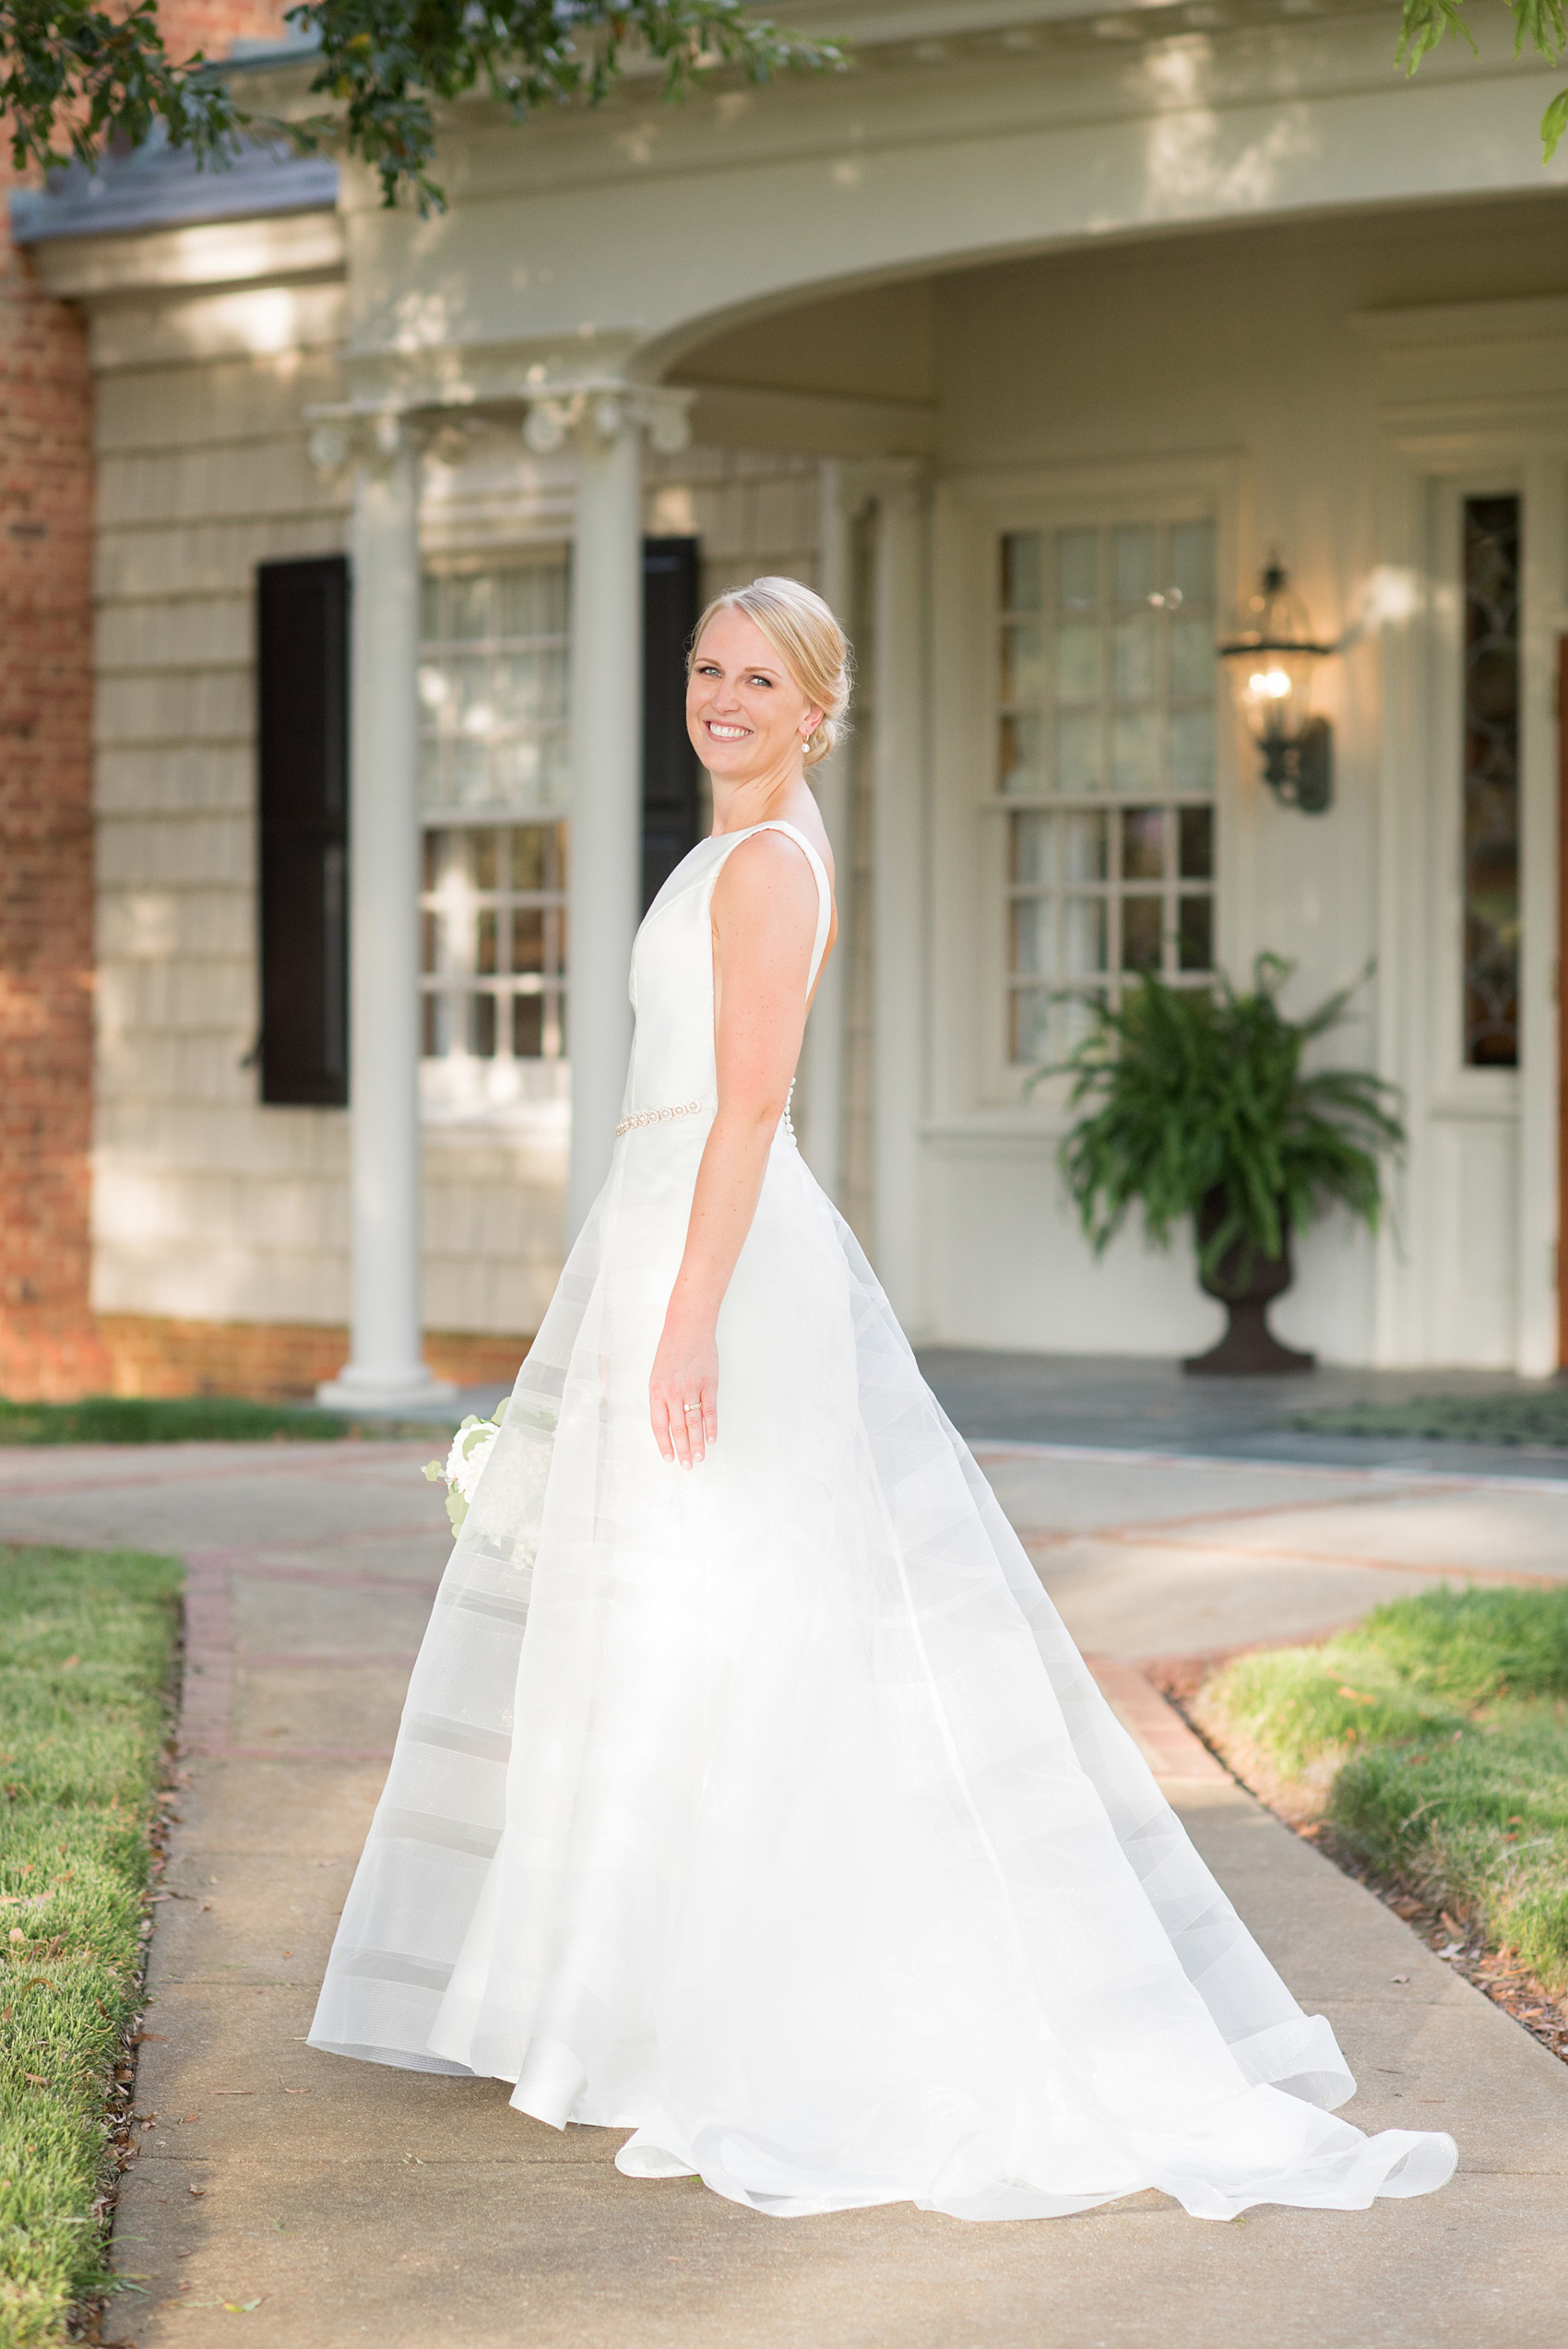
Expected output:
(819, 1114)
(898, 922)
(606, 850)
(385, 1370)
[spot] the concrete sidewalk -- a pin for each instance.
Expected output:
(354, 2204)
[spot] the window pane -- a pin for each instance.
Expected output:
(1196, 828)
(529, 687)
(1195, 934)
(1030, 1040)
(464, 697)
(1136, 565)
(1031, 847)
(1083, 936)
(486, 858)
(528, 938)
(1141, 927)
(1078, 754)
(515, 774)
(485, 942)
(531, 601)
(1135, 747)
(1022, 680)
(1078, 570)
(1133, 658)
(1192, 653)
(468, 607)
(555, 768)
(1071, 848)
(429, 1009)
(527, 856)
(467, 763)
(1192, 750)
(1020, 756)
(1020, 571)
(1078, 663)
(1083, 846)
(1143, 844)
(1192, 561)
(1031, 935)
(527, 1027)
(482, 1013)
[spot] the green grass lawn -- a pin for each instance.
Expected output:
(1433, 1738)
(86, 1651)
(191, 1419)
(1538, 1418)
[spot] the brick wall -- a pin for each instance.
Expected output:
(212, 26)
(276, 1362)
(49, 1345)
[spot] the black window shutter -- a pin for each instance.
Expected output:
(303, 799)
(670, 605)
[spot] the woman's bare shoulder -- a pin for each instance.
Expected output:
(765, 869)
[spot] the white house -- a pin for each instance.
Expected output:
(1029, 340)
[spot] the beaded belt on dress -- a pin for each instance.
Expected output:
(694, 1110)
(657, 1117)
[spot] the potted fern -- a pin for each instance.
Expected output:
(1195, 1105)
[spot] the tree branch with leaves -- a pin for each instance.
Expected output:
(1541, 23)
(76, 78)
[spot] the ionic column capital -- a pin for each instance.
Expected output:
(597, 415)
(344, 435)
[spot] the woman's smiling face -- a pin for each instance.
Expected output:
(745, 714)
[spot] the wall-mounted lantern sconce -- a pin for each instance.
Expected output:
(1271, 662)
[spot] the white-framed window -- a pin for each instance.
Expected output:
(1104, 766)
(495, 783)
(493, 918)
(494, 656)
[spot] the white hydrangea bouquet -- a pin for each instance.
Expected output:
(464, 1465)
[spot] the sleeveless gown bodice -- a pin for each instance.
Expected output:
(767, 1809)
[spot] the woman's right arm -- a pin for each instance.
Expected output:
(764, 913)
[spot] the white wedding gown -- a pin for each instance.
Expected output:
(767, 1809)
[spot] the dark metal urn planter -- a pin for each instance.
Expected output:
(1249, 1347)
(1193, 1104)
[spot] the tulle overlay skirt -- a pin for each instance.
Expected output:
(768, 1810)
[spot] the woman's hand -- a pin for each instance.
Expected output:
(684, 1389)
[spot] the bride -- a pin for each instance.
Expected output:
(749, 1795)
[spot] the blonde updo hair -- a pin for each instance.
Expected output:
(808, 640)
